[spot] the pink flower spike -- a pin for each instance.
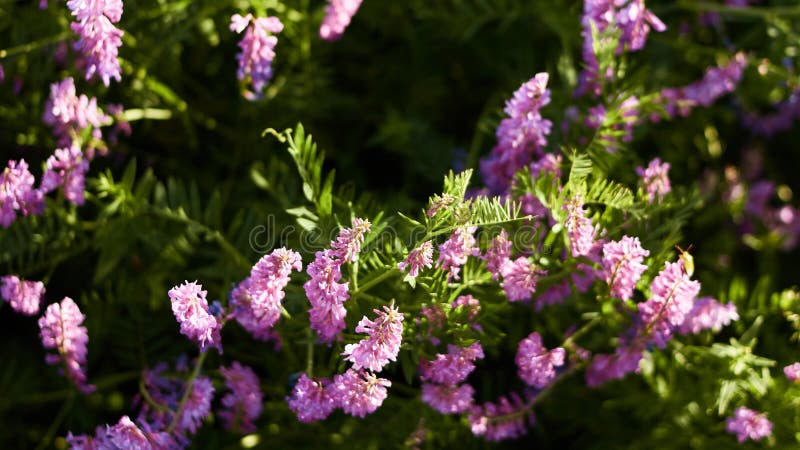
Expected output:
(23, 296)
(519, 279)
(61, 330)
(453, 253)
(348, 244)
(655, 178)
(792, 372)
(190, 307)
(497, 255)
(535, 364)
(448, 399)
(383, 343)
(622, 265)
(327, 297)
(748, 424)
(311, 399)
(243, 404)
(418, 258)
(359, 393)
(338, 14)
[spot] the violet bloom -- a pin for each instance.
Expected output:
(580, 231)
(23, 296)
(348, 244)
(61, 330)
(17, 193)
(243, 404)
(453, 367)
(124, 435)
(716, 82)
(448, 399)
(497, 255)
(257, 49)
(748, 424)
(519, 279)
(470, 304)
(535, 364)
(310, 399)
(520, 136)
(66, 169)
(70, 114)
(604, 368)
(655, 178)
(327, 297)
(198, 405)
(256, 302)
(359, 393)
(792, 372)
(382, 345)
(418, 258)
(500, 420)
(190, 307)
(622, 265)
(672, 297)
(338, 14)
(453, 253)
(708, 314)
(99, 40)
(548, 163)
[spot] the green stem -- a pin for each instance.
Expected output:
(364, 287)
(24, 48)
(132, 115)
(62, 414)
(189, 384)
(309, 354)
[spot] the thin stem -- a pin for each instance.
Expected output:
(189, 384)
(364, 287)
(309, 354)
(131, 115)
(62, 414)
(24, 48)
(149, 399)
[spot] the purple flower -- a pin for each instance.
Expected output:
(748, 424)
(535, 364)
(124, 435)
(453, 367)
(99, 38)
(717, 82)
(470, 304)
(622, 265)
(359, 393)
(520, 135)
(327, 297)
(448, 399)
(580, 231)
(655, 178)
(256, 302)
(24, 296)
(519, 279)
(672, 297)
(708, 314)
(382, 345)
(635, 22)
(792, 372)
(348, 243)
(198, 405)
(338, 14)
(190, 307)
(504, 419)
(17, 193)
(257, 49)
(310, 399)
(497, 255)
(604, 368)
(70, 114)
(453, 253)
(418, 258)
(61, 330)
(548, 163)
(243, 404)
(66, 169)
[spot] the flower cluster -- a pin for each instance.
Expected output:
(500, 420)
(580, 231)
(535, 364)
(23, 296)
(17, 193)
(311, 399)
(338, 14)
(66, 169)
(672, 296)
(443, 375)
(418, 258)
(748, 424)
(708, 314)
(124, 435)
(622, 265)
(257, 49)
(99, 40)
(382, 345)
(71, 114)
(359, 393)
(190, 307)
(61, 330)
(655, 179)
(454, 252)
(243, 404)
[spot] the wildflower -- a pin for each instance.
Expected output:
(604, 368)
(672, 296)
(23, 296)
(99, 39)
(327, 297)
(348, 243)
(71, 114)
(61, 330)
(190, 307)
(548, 163)
(519, 279)
(448, 399)
(748, 424)
(655, 179)
(243, 404)
(520, 136)
(310, 399)
(198, 405)
(418, 258)
(257, 49)
(580, 231)
(453, 253)
(451, 368)
(708, 314)
(504, 419)
(497, 254)
(438, 203)
(622, 265)
(383, 343)
(792, 372)
(338, 14)
(535, 364)
(470, 304)
(716, 82)
(66, 169)
(17, 193)
(124, 435)
(359, 393)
